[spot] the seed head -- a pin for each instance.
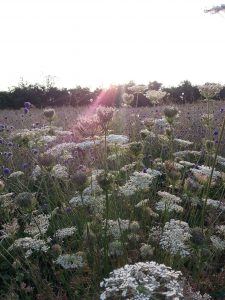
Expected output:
(49, 114)
(136, 148)
(79, 179)
(134, 226)
(25, 200)
(197, 236)
(170, 113)
(56, 249)
(146, 251)
(105, 180)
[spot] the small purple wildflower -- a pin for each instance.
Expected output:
(145, 170)
(68, 210)
(35, 151)
(2, 127)
(215, 132)
(27, 105)
(6, 171)
(25, 165)
(9, 155)
(26, 111)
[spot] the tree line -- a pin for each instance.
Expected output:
(48, 95)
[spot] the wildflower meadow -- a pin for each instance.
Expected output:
(99, 202)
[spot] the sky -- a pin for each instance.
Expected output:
(96, 43)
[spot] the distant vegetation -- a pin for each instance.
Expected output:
(49, 95)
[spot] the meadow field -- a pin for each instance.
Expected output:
(113, 203)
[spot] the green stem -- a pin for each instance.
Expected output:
(211, 175)
(106, 264)
(105, 150)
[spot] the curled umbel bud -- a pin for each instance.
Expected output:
(25, 200)
(49, 114)
(170, 113)
(80, 180)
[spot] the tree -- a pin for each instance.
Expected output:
(184, 93)
(154, 85)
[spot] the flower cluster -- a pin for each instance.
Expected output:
(210, 90)
(92, 197)
(59, 172)
(65, 232)
(139, 181)
(168, 203)
(203, 173)
(175, 235)
(142, 281)
(117, 139)
(29, 244)
(38, 225)
(136, 89)
(116, 227)
(155, 96)
(36, 173)
(70, 261)
(217, 243)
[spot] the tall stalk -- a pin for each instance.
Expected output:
(106, 244)
(211, 174)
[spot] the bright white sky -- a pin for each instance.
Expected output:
(99, 42)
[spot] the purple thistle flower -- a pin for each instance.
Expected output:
(216, 132)
(145, 170)
(9, 154)
(2, 127)
(6, 171)
(35, 151)
(27, 105)
(26, 110)
(68, 210)
(25, 165)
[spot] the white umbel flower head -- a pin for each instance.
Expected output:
(169, 202)
(36, 172)
(38, 225)
(59, 172)
(117, 227)
(175, 236)
(210, 90)
(70, 261)
(143, 281)
(65, 232)
(155, 96)
(117, 139)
